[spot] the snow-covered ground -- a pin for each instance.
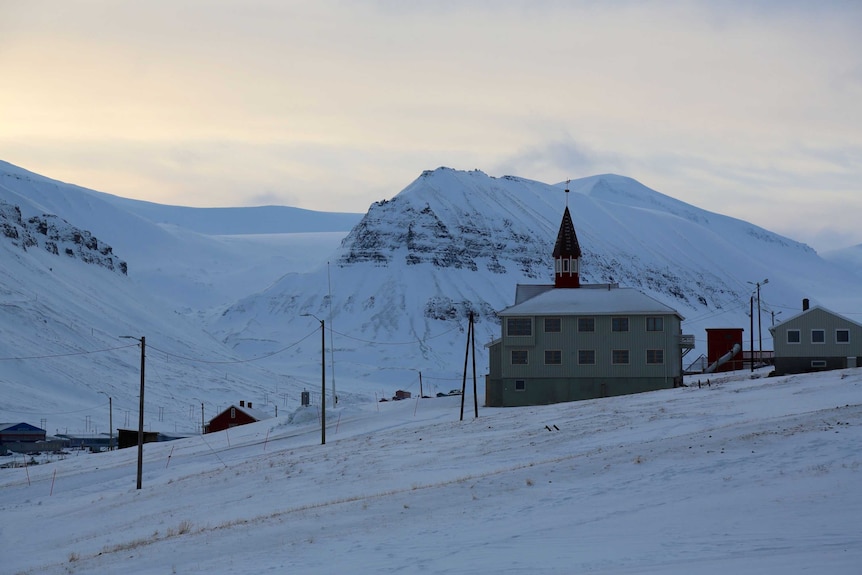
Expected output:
(742, 476)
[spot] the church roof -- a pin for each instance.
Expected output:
(567, 241)
(613, 301)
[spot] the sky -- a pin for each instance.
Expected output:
(750, 109)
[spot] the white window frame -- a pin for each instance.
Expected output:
(847, 341)
(614, 358)
(585, 362)
(620, 318)
(798, 333)
(660, 352)
(523, 384)
(526, 356)
(657, 320)
(822, 341)
(559, 325)
(818, 363)
(592, 324)
(521, 321)
(557, 351)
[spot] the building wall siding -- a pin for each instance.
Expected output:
(570, 381)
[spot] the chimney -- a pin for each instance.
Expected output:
(242, 403)
(249, 405)
(805, 304)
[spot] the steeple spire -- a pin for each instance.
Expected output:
(567, 253)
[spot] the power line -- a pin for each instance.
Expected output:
(67, 354)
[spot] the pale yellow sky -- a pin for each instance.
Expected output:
(752, 109)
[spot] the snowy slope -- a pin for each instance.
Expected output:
(193, 257)
(743, 476)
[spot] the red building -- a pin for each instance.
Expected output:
(235, 415)
(720, 341)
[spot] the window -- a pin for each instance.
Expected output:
(842, 336)
(654, 356)
(620, 324)
(233, 413)
(655, 324)
(553, 357)
(818, 363)
(620, 356)
(520, 385)
(519, 357)
(519, 326)
(818, 336)
(552, 325)
(793, 336)
(586, 356)
(586, 324)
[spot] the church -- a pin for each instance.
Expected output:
(571, 341)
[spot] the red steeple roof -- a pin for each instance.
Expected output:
(567, 240)
(567, 255)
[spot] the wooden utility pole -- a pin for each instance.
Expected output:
(471, 340)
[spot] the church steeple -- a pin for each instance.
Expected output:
(567, 255)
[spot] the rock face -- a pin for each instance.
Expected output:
(55, 235)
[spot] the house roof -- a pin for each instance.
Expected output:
(19, 426)
(810, 310)
(567, 240)
(609, 301)
(256, 414)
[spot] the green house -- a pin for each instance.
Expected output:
(816, 340)
(568, 341)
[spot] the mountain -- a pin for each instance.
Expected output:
(231, 317)
(398, 291)
(193, 257)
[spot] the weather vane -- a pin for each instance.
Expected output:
(567, 192)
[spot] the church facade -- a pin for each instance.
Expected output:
(571, 341)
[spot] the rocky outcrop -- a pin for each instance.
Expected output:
(56, 236)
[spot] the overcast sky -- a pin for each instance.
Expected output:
(751, 109)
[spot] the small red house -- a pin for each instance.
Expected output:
(235, 415)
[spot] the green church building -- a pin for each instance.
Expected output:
(571, 341)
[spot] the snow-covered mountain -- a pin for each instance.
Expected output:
(401, 285)
(235, 315)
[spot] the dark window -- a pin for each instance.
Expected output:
(552, 325)
(586, 356)
(586, 324)
(519, 326)
(818, 363)
(519, 357)
(818, 336)
(233, 413)
(655, 356)
(553, 357)
(842, 336)
(620, 356)
(793, 336)
(655, 324)
(620, 324)
(520, 385)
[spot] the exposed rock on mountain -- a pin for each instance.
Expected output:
(58, 237)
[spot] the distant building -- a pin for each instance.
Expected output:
(568, 341)
(719, 343)
(816, 340)
(401, 394)
(129, 437)
(235, 415)
(20, 432)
